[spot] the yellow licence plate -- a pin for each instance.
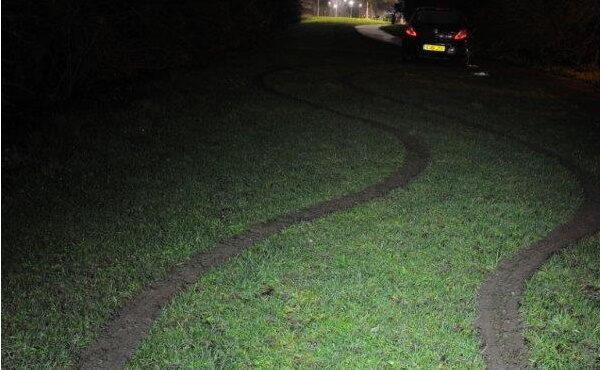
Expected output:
(430, 47)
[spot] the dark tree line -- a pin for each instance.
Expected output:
(52, 50)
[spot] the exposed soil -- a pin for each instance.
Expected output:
(122, 334)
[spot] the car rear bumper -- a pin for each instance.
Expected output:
(450, 48)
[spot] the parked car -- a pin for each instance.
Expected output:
(437, 32)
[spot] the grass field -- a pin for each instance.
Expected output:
(562, 310)
(340, 20)
(110, 199)
(390, 283)
(135, 191)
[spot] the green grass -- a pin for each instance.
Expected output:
(141, 189)
(116, 197)
(391, 283)
(561, 310)
(341, 20)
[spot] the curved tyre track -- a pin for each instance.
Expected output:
(499, 322)
(130, 324)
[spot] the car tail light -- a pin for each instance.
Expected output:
(461, 35)
(410, 32)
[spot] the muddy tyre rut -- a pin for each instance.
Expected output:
(499, 322)
(121, 335)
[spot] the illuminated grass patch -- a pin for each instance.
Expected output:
(390, 283)
(561, 309)
(151, 185)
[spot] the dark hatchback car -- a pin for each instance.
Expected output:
(437, 32)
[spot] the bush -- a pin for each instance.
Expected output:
(546, 32)
(52, 49)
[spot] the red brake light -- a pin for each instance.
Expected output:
(410, 32)
(461, 35)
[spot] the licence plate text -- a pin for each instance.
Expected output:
(429, 47)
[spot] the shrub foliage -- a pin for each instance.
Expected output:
(549, 32)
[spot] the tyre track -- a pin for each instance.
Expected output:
(122, 334)
(499, 322)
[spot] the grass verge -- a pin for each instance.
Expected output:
(340, 20)
(561, 310)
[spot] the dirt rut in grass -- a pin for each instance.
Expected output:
(499, 298)
(123, 333)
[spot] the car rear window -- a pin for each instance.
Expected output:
(438, 17)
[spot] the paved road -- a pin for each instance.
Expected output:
(375, 32)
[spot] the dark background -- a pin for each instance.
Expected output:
(546, 32)
(55, 50)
